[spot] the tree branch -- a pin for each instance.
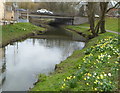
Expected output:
(113, 7)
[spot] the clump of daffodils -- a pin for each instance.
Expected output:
(99, 79)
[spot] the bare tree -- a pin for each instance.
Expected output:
(91, 17)
(101, 22)
(103, 11)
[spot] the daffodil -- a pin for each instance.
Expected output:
(96, 66)
(116, 62)
(84, 78)
(89, 74)
(101, 76)
(96, 81)
(87, 83)
(105, 74)
(95, 74)
(98, 77)
(95, 89)
(110, 82)
(88, 77)
(68, 78)
(109, 74)
(101, 83)
(64, 84)
(73, 76)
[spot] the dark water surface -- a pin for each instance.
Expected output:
(23, 61)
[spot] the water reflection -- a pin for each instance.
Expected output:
(60, 33)
(25, 60)
(2, 66)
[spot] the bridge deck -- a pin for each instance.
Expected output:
(48, 16)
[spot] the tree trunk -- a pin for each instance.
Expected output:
(91, 17)
(103, 7)
(101, 22)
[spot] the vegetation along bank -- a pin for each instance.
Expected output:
(86, 71)
(18, 31)
(82, 71)
(94, 68)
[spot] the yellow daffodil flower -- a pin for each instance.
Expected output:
(84, 78)
(95, 89)
(87, 83)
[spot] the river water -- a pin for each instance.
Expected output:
(24, 60)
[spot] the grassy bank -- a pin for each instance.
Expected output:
(111, 24)
(94, 68)
(79, 29)
(12, 32)
(72, 74)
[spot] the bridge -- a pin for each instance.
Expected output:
(73, 20)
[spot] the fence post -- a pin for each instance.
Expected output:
(73, 20)
(27, 16)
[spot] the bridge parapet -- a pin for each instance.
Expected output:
(80, 20)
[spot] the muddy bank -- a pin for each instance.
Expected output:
(1, 53)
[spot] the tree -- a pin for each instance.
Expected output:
(91, 17)
(103, 11)
(101, 23)
(81, 11)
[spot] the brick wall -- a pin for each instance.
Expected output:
(9, 15)
(6, 10)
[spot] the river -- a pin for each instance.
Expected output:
(24, 60)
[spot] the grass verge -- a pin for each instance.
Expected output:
(16, 31)
(57, 81)
(110, 24)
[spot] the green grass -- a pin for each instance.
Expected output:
(18, 30)
(79, 29)
(98, 70)
(112, 24)
(67, 68)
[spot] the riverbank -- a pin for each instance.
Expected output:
(18, 31)
(76, 72)
(80, 30)
(111, 25)
(1, 53)
(59, 80)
